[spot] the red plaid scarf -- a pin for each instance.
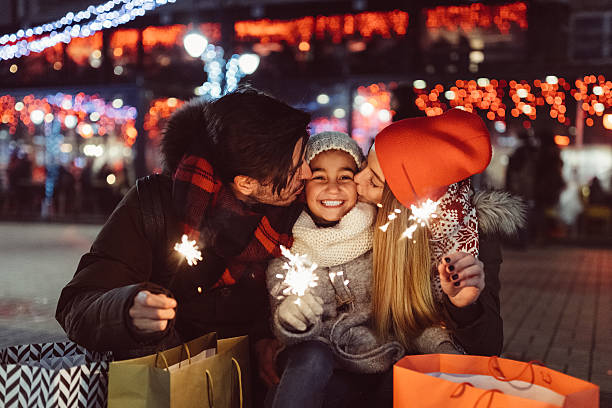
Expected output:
(241, 237)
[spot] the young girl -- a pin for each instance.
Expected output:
(329, 327)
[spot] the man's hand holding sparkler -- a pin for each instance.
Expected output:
(462, 278)
(300, 312)
(151, 312)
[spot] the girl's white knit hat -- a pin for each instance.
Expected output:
(324, 141)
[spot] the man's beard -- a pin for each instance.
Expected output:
(266, 195)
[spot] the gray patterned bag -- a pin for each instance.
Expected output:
(53, 375)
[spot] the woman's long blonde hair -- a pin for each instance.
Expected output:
(402, 299)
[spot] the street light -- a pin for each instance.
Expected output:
(222, 76)
(248, 63)
(195, 44)
(607, 121)
(37, 116)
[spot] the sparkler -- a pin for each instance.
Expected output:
(189, 249)
(392, 215)
(300, 274)
(421, 216)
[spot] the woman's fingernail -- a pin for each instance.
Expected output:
(457, 283)
(447, 260)
(455, 276)
(451, 268)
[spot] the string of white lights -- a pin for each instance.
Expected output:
(105, 17)
(68, 19)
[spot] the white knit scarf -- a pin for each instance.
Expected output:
(331, 246)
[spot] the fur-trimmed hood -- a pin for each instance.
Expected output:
(188, 123)
(499, 212)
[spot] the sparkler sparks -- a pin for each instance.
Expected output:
(332, 276)
(409, 231)
(189, 249)
(423, 213)
(300, 273)
(383, 228)
(392, 215)
(421, 216)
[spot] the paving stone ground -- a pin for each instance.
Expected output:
(556, 301)
(557, 308)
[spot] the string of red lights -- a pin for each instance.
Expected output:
(468, 18)
(486, 95)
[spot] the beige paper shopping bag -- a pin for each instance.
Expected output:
(220, 381)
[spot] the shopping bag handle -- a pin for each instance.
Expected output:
(159, 353)
(186, 347)
(491, 392)
(239, 379)
(497, 373)
(209, 384)
(461, 389)
(209, 389)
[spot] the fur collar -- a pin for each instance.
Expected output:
(499, 212)
(189, 122)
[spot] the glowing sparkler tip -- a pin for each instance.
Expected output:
(189, 249)
(420, 215)
(300, 273)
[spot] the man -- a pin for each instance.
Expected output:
(233, 171)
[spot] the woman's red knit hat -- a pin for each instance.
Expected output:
(421, 157)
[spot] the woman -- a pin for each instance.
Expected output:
(443, 270)
(448, 273)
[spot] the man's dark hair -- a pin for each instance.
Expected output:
(243, 133)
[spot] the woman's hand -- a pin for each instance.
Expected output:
(462, 278)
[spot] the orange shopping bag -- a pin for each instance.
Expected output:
(448, 380)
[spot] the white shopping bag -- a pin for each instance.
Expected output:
(53, 375)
